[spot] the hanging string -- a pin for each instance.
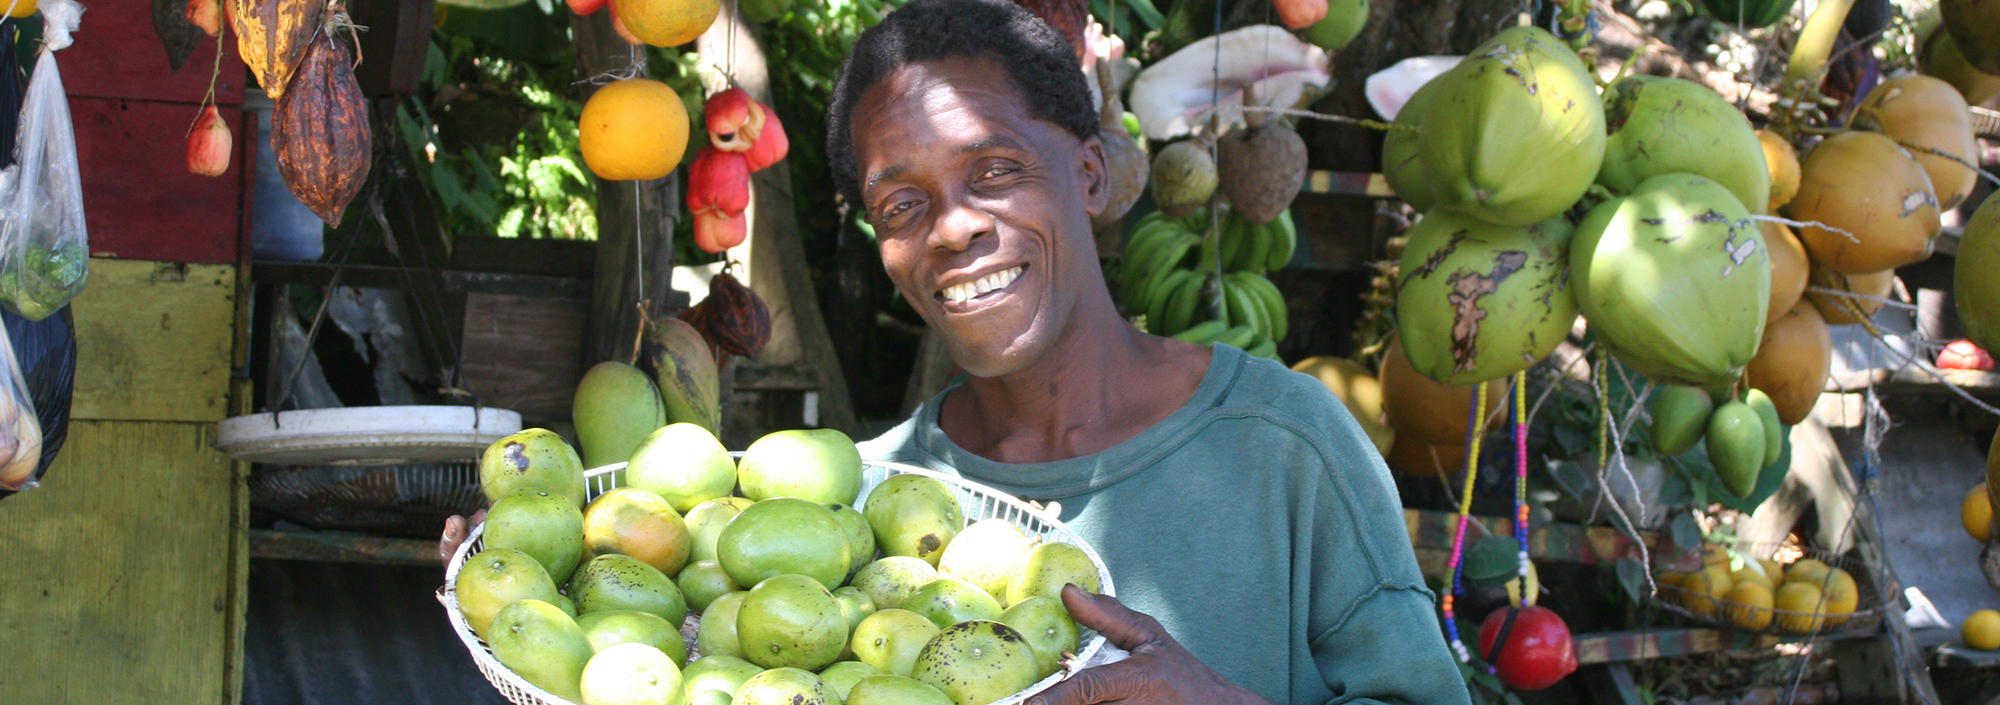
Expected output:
(1520, 396)
(1475, 432)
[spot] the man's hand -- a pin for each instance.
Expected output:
(455, 530)
(1159, 671)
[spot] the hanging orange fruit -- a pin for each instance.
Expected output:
(209, 144)
(320, 131)
(634, 129)
(272, 36)
(1871, 188)
(206, 14)
(666, 23)
(586, 7)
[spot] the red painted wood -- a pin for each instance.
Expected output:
(117, 55)
(139, 199)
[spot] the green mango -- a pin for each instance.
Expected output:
(855, 605)
(1676, 126)
(632, 674)
(784, 536)
(1050, 566)
(616, 406)
(890, 581)
(1675, 280)
(607, 629)
(817, 465)
(546, 526)
(913, 515)
(1477, 301)
(1736, 446)
(860, 536)
(1048, 628)
(786, 686)
(842, 676)
(1774, 430)
(684, 368)
(543, 646)
(895, 690)
(718, 673)
(948, 601)
(704, 581)
(684, 464)
(1680, 415)
(890, 640)
(495, 578)
(536, 458)
(791, 621)
(706, 521)
(977, 662)
(986, 554)
(1516, 132)
(717, 635)
(615, 582)
(1343, 21)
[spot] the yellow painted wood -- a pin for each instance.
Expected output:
(154, 341)
(122, 572)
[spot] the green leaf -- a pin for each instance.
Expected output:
(1632, 577)
(1571, 477)
(1687, 534)
(1492, 561)
(1147, 13)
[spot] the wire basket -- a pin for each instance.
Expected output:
(1866, 617)
(409, 500)
(979, 501)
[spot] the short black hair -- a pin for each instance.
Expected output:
(1037, 58)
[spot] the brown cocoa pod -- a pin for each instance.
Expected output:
(320, 131)
(272, 36)
(742, 323)
(1070, 18)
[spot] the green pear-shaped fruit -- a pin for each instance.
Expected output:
(495, 578)
(536, 458)
(977, 662)
(913, 515)
(1774, 430)
(684, 464)
(615, 582)
(1736, 446)
(542, 645)
(616, 406)
(1680, 416)
(540, 524)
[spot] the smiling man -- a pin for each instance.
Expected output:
(1252, 531)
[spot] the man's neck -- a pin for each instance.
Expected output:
(1101, 388)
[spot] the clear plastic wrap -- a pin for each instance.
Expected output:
(20, 431)
(44, 246)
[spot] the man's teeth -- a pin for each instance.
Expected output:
(968, 291)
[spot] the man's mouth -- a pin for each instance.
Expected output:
(978, 288)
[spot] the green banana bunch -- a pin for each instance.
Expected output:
(1242, 337)
(1257, 247)
(1158, 245)
(1253, 300)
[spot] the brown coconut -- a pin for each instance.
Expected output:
(1783, 161)
(1424, 410)
(1412, 457)
(1927, 112)
(1789, 268)
(1871, 188)
(1835, 308)
(1261, 167)
(1792, 362)
(1124, 162)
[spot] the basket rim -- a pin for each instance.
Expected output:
(490, 666)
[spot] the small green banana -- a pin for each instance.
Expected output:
(1181, 307)
(1202, 333)
(1160, 298)
(1285, 241)
(1237, 337)
(1273, 302)
(1256, 251)
(1264, 348)
(1248, 300)
(1165, 261)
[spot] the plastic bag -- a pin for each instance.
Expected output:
(45, 351)
(20, 430)
(44, 247)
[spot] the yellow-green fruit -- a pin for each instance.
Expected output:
(717, 673)
(1870, 188)
(1401, 166)
(616, 406)
(1736, 446)
(895, 690)
(1938, 55)
(1183, 177)
(1676, 126)
(1975, 24)
(1343, 21)
(495, 578)
(1982, 630)
(1516, 132)
(1749, 605)
(535, 458)
(1976, 286)
(636, 523)
(1680, 416)
(1799, 607)
(791, 621)
(1927, 112)
(1790, 268)
(539, 524)
(703, 581)
(717, 635)
(632, 674)
(860, 537)
(840, 678)
(817, 465)
(890, 581)
(985, 554)
(1358, 390)
(1782, 159)
(1477, 301)
(890, 640)
(913, 515)
(855, 605)
(541, 645)
(684, 464)
(1048, 628)
(1774, 431)
(1675, 280)
(948, 601)
(607, 629)
(684, 368)
(1049, 567)
(977, 662)
(1792, 362)
(706, 521)
(784, 536)
(614, 582)
(785, 686)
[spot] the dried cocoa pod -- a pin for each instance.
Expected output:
(320, 130)
(742, 323)
(1070, 18)
(177, 35)
(272, 36)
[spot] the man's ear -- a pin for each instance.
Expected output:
(1096, 177)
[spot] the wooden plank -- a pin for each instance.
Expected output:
(117, 55)
(153, 341)
(119, 570)
(341, 547)
(1347, 183)
(1570, 543)
(1611, 647)
(138, 196)
(525, 353)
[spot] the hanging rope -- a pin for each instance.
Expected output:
(1475, 432)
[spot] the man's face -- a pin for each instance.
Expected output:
(982, 210)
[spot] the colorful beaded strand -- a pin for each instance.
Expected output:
(1475, 433)
(1521, 475)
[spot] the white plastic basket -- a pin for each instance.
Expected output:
(979, 502)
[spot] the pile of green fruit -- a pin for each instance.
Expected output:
(1170, 275)
(1744, 434)
(802, 597)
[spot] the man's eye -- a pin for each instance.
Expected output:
(895, 209)
(997, 172)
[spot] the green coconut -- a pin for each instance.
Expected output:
(1975, 27)
(1478, 301)
(1515, 133)
(1670, 125)
(1674, 279)
(1976, 288)
(1400, 166)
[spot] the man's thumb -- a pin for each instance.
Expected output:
(1119, 624)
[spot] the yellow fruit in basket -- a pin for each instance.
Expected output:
(543, 646)
(1807, 570)
(976, 662)
(633, 130)
(495, 578)
(630, 674)
(1704, 588)
(1050, 631)
(1751, 573)
(913, 515)
(1841, 596)
(608, 629)
(1773, 571)
(860, 536)
(985, 554)
(703, 581)
(636, 523)
(717, 673)
(890, 581)
(841, 677)
(784, 686)
(539, 524)
(617, 582)
(948, 601)
(1749, 606)
(1047, 568)
(818, 465)
(890, 640)
(895, 690)
(1798, 605)
(1981, 630)
(684, 464)
(717, 635)
(705, 522)
(1976, 513)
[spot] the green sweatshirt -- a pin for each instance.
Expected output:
(1257, 523)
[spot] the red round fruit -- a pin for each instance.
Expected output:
(1964, 355)
(1537, 653)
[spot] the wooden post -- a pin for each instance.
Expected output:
(635, 234)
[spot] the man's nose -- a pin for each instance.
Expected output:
(961, 223)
